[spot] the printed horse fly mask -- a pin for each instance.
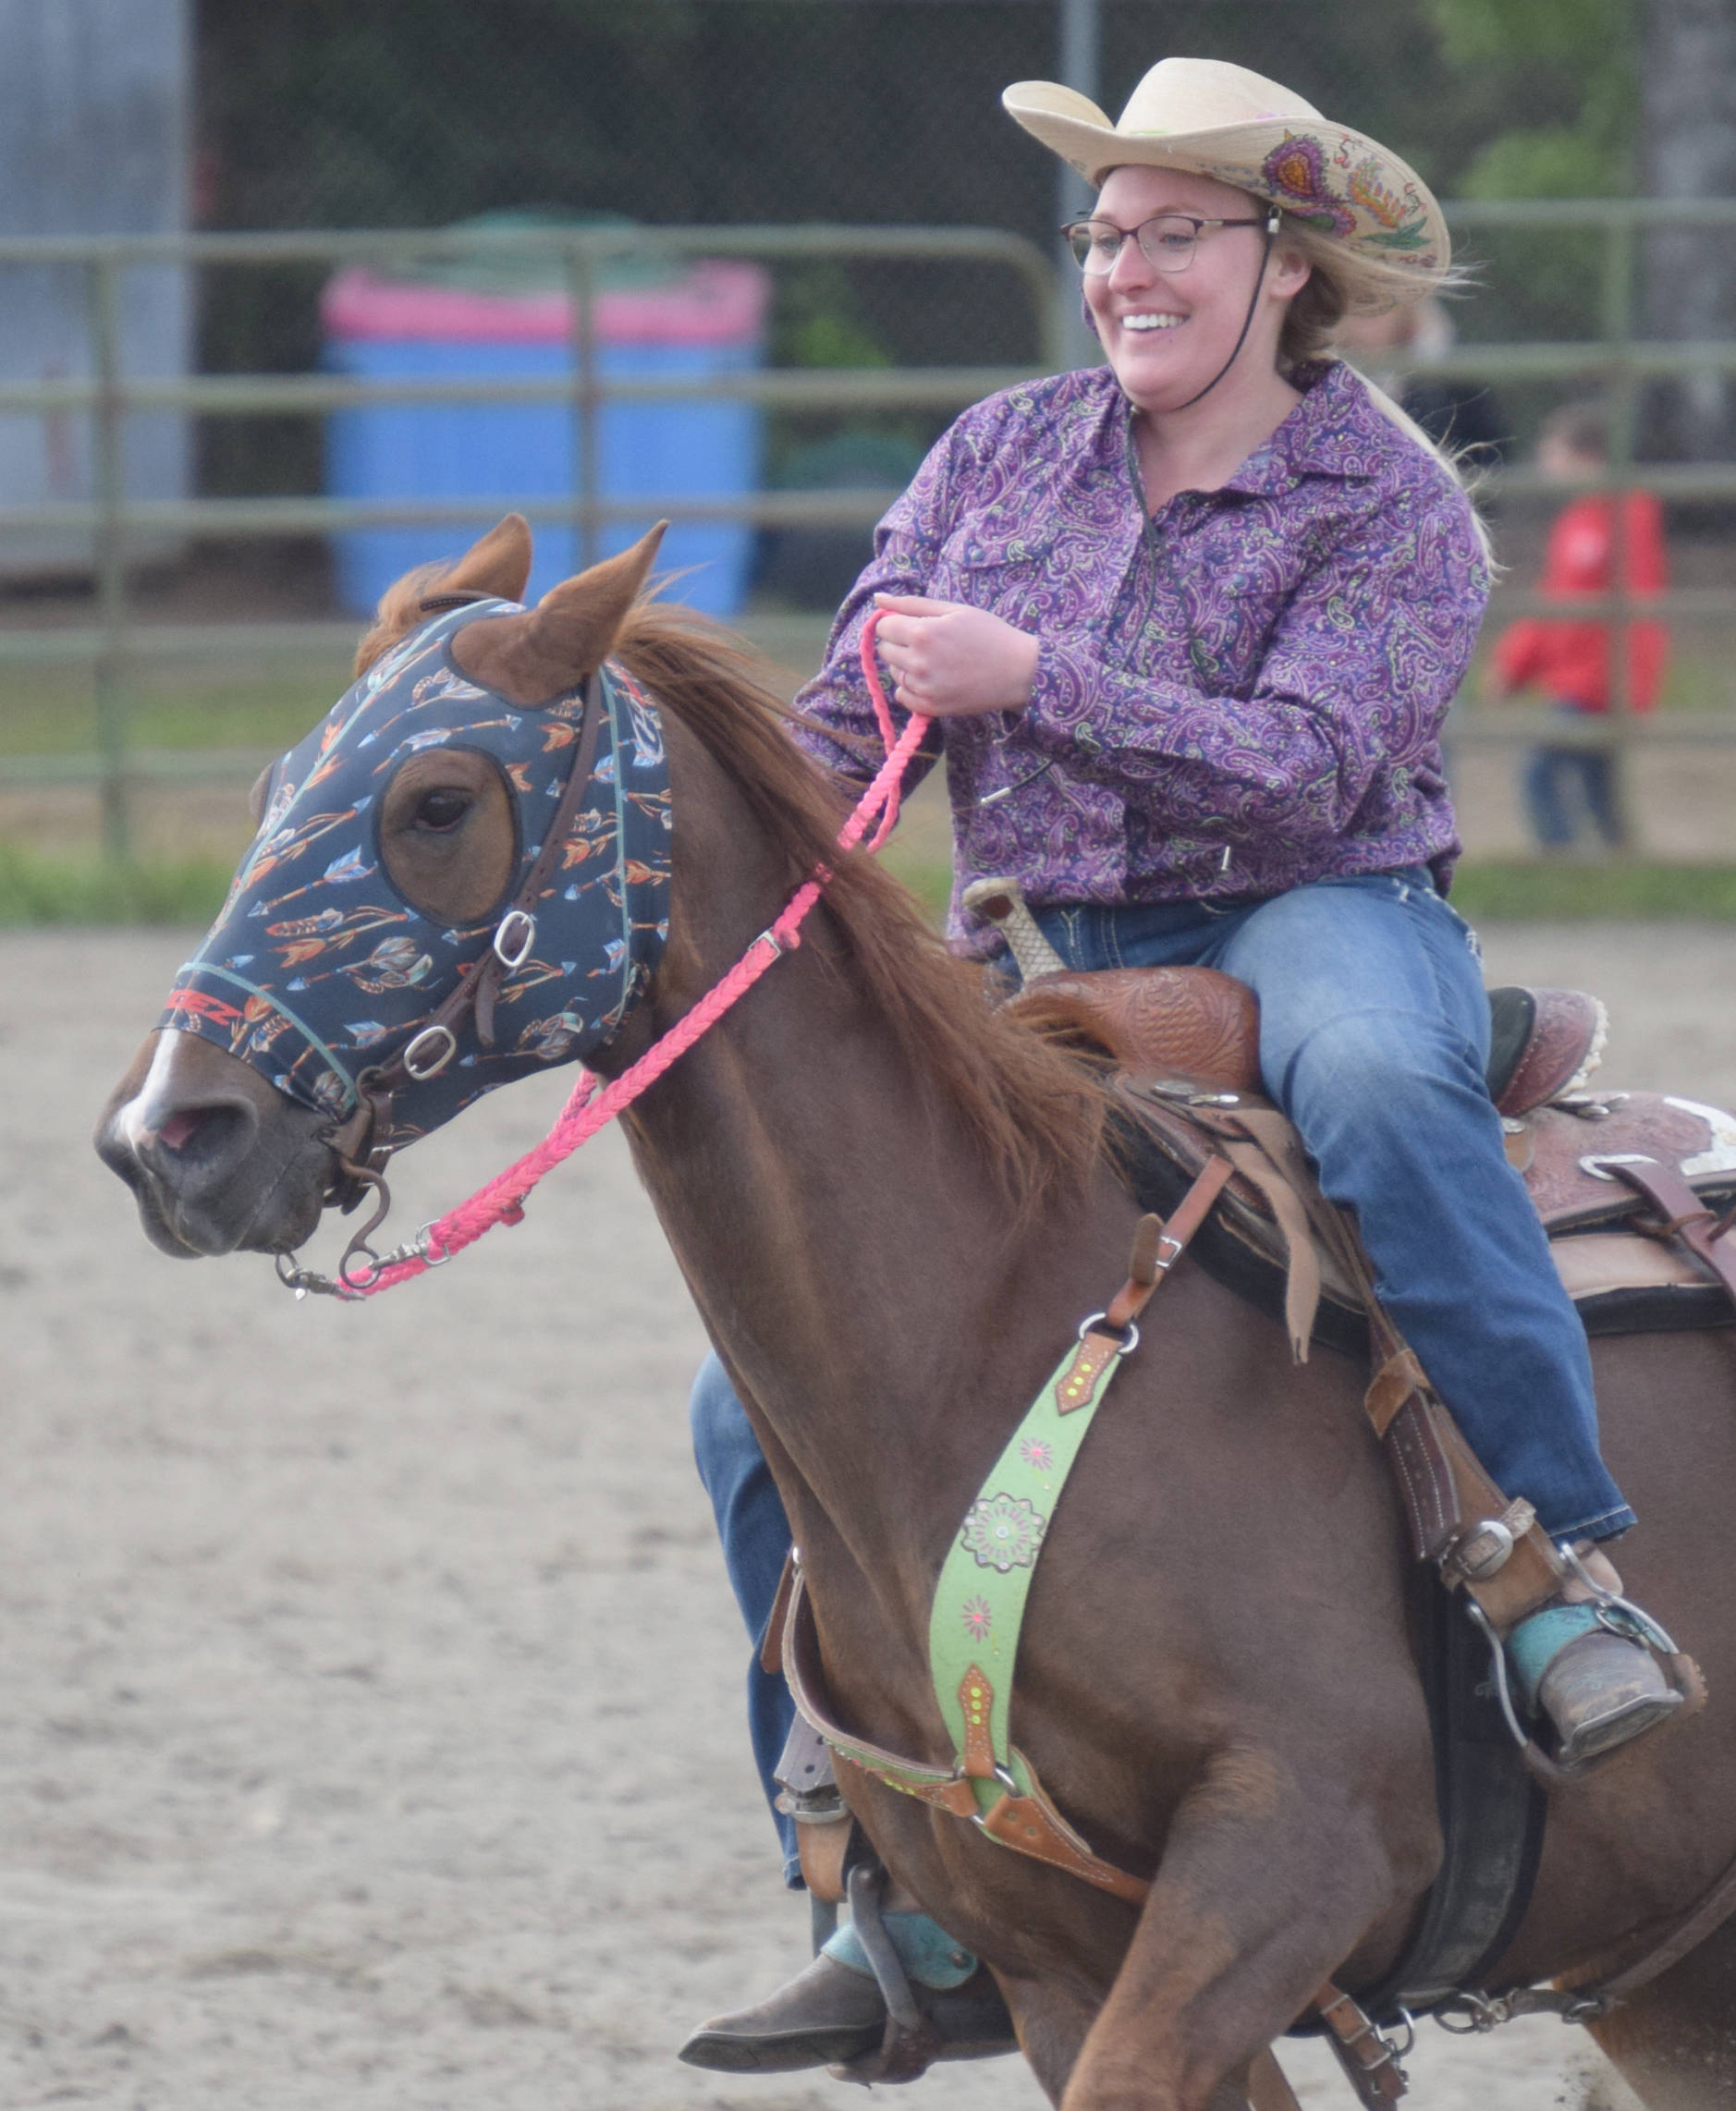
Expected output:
(325, 978)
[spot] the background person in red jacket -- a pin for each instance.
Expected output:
(1568, 661)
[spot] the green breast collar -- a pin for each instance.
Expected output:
(978, 1604)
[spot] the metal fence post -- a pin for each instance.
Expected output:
(1623, 404)
(587, 481)
(1078, 57)
(109, 477)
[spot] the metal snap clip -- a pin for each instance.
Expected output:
(304, 1282)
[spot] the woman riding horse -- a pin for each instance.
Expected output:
(1189, 623)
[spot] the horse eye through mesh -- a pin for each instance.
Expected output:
(447, 833)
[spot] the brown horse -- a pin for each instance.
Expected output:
(892, 1209)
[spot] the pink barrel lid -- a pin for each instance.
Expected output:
(716, 301)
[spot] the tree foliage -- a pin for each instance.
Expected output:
(355, 113)
(1585, 53)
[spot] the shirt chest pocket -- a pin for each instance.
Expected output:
(1012, 576)
(1229, 600)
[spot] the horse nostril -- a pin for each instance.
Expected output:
(178, 1128)
(201, 1137)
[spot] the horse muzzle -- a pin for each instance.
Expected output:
(218, 1159)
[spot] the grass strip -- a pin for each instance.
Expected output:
(1491, 891)
(36, 889)
(40, 889)
(1494, 891)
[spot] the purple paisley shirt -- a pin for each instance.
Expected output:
(1236, 695)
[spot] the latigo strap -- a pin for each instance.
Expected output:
(1448, 1499)
(1680, 1214)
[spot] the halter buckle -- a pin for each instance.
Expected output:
(519, 925)
(443, 1045)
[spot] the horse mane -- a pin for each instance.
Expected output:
(1038, 1115)
(399, 613)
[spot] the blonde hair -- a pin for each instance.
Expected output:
(1346, 281)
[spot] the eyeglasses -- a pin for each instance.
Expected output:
(1167, 242)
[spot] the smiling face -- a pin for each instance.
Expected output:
(1167, 335)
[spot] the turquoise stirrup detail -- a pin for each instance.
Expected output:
(926, 1951)
(1535, 1643)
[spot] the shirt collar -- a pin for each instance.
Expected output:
(1333, 431)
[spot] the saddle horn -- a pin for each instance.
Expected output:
(1004, 904)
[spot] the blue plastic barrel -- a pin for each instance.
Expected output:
(706, 319)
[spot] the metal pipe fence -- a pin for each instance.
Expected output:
(117, 644)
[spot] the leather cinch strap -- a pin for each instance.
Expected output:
(1445, 1491)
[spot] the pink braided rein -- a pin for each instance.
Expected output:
(502, 1200)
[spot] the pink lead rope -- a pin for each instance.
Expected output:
(502, 1200)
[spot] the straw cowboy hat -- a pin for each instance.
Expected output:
(1219, 120)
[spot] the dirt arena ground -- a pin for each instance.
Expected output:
(372, 1727)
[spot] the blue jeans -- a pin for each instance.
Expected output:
(756, 1535)
(1374, 1037)
(1551, 779)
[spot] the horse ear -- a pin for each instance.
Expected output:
(499, 565)
(552, 648)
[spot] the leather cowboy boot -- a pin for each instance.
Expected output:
(1589, 1662)
(834, 2011)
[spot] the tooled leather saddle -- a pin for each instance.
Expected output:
(1636, 1191)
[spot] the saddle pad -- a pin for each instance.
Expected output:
(1621, 1282)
